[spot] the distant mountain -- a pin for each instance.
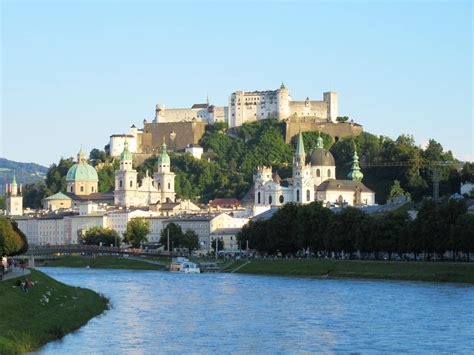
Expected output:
(26, 173)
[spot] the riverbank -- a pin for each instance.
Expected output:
(391, 270)
(106, 262)
(47, 312)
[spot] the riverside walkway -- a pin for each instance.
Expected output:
(16, 272)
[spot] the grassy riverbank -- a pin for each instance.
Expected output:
(28, 321)
(106, 262)
(392, 270)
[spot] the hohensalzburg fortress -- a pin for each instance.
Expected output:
(250, 106)
(181, 127)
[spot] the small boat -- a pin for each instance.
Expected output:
(184, 265)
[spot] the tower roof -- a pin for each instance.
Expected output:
(319, 141)
(355, 173)
(14, 179)
(164, 158)
(300, 145)
(126, 155)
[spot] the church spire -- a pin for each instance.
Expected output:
(355, 173)
(300, 154)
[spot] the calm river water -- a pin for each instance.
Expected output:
(156, 312)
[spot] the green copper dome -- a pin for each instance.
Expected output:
(82, 171)
(164, 158)
(126, 155)
(355, 173)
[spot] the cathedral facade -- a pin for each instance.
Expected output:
(313, 179)
(152, 190)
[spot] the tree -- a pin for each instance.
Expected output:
(137, 232)
(220, 244)
(97, 156)
(342, 119)
(190, 240)
(397, 191)
(463, 234)
(175, 234)
(33, 194)
(101, 236)
(2, 202)
(12, 241)
(312, 221)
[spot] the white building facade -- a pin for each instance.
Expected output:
(313, 179)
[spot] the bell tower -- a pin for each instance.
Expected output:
(14, 199)
(164, 177)
(125, 180)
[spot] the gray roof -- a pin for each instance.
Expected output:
(342, 185)
(322, 157)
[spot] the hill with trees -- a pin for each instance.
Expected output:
(232, 156)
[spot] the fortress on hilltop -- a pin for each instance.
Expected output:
(183, 127)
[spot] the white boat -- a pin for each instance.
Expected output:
(189, 267)
(184, 265)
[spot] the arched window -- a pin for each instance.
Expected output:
(92, 189)
(318, 173)
(120, 183)
(297, 195)
(308, 195)
(131, 183)
(329, 172)
(71, 188)
(169, 186)
(258, 198)
(270, 200)
(82, 188)
(281, 199)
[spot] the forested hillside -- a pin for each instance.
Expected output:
(231, 158)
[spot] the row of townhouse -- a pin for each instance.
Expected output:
(66, 228)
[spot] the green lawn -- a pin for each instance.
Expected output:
(416, 271)
(104, 262)
(27, 322)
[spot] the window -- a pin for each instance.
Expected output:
(258, 198)
(131, 183)
(329, 172)
(318, 173)
(308, 195)
(297, 195)
(270, 200)
(169, 186)
(281, 199)
(120, 183)
(159, 186)
(82, 188)
(92, 188)
(71, 188)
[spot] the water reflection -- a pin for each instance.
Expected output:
(168, 312)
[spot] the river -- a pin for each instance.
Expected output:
(155, 311)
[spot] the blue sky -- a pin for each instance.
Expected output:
(74, 72)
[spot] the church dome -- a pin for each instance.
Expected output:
(82, 171)
(322, 157)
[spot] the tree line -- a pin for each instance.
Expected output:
(301, 229)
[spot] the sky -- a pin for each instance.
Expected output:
(75, 72)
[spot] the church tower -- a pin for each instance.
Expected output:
(355, 174)
(164, 177)
(14, 199)
(303, 187)
(125, 180)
